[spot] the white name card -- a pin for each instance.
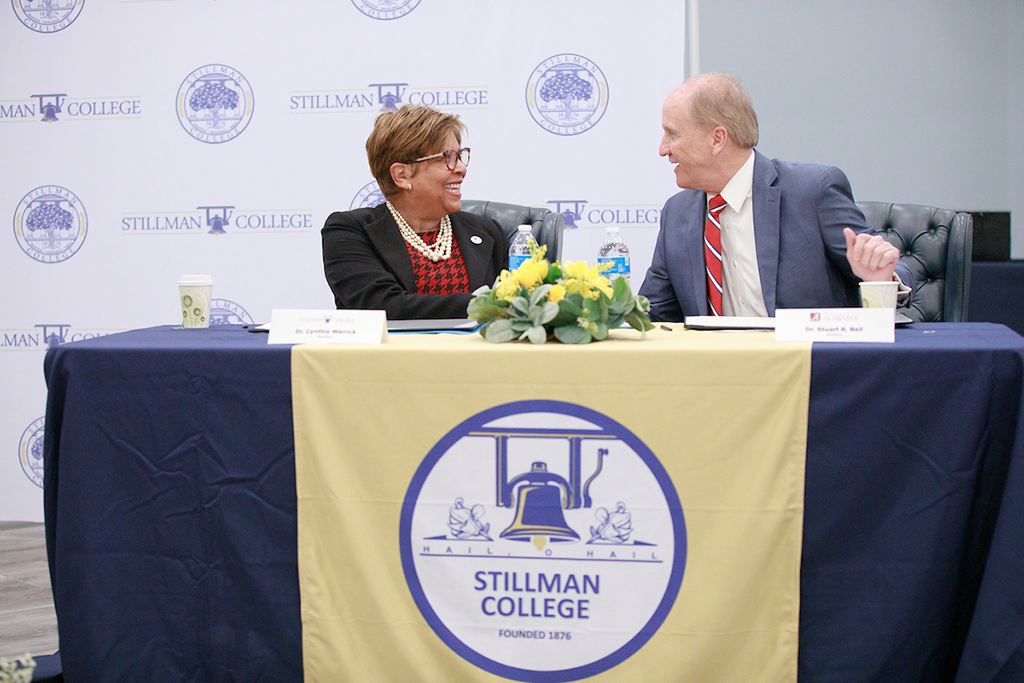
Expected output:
(836, 324)
(300, 326)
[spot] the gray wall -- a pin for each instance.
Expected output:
(919, 102)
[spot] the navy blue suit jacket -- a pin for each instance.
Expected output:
(800, 211)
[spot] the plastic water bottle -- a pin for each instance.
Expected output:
(615, 252)
(519, 250)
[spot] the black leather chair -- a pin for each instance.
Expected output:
(548, 227)
(936, 245)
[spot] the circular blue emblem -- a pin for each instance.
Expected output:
(567, 94)
(385, 9)
(30, 452)
(47, 16)
(224, 312)
(215, 103)
(50, 224)
(369, 196)
(542, 541)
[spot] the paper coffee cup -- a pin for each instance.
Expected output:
(878, 294)
(195, 292)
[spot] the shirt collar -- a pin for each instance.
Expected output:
(739, 187)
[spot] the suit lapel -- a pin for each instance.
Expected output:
(694, 250)
(767, 208)
(475, 254)
(387, 239)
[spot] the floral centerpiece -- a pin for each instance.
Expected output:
(569, 301)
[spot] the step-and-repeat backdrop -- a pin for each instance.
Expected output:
(145, 139)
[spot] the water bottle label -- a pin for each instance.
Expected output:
(619, 266)
(515, 261)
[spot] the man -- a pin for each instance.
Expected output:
(748, 234)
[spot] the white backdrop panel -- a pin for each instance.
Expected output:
(109, 197)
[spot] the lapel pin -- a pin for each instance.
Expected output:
(475, 239)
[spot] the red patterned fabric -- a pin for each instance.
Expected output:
(713, 254)
(443, 277)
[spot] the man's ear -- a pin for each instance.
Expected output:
(719, 136)
(402, 175)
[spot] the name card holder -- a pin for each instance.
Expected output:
(836, 324)
(308, 326)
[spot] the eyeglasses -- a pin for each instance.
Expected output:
(452, 157)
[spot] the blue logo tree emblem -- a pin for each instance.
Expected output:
(215, 103)
(30, 452)
(566, 87)
(567, 94)
(47, 16)
(48, 219)
(214, 97)
(50, 224)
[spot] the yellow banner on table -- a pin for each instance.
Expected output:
(629, 510)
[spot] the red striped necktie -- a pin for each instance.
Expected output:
(713, 254)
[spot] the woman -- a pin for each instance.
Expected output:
(416, 255)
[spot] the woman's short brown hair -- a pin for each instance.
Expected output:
(409, 133)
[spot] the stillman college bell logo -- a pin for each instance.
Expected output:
(542, 540)
(215, 103)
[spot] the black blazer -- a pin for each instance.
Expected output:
(368, 267)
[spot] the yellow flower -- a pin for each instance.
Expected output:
(577, 270)
(531, 272)
(556, 294)
(603, 285)
(508, 287)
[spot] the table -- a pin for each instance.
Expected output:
(171, 508)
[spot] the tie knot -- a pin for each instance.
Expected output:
(716, 204)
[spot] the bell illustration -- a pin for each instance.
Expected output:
(539, 508)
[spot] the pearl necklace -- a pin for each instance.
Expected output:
(442, 249)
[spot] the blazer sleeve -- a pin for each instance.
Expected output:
(837, 210)
(360, 254)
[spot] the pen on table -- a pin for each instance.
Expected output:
(666, 328)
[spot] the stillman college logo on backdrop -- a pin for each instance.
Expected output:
(385, 9)
(53, 107)
(215, 103)
(47, 16)
(567, 94)
(369, 196)
(225, 312)
(50, 224)
(30, 452)
(579, 213)
(542, 540)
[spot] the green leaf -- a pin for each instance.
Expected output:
(601, 332)
(572, 305)
(521, 305)
(498, 331)
(537, 335)
(621, 288)
(551, 310)
(571, 334)
(539, 294)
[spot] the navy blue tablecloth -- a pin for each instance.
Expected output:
(171, 509)
(997, 294)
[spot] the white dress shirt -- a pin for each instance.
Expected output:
(741, 280)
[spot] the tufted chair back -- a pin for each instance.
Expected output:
(936, 246)
(548, 227)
